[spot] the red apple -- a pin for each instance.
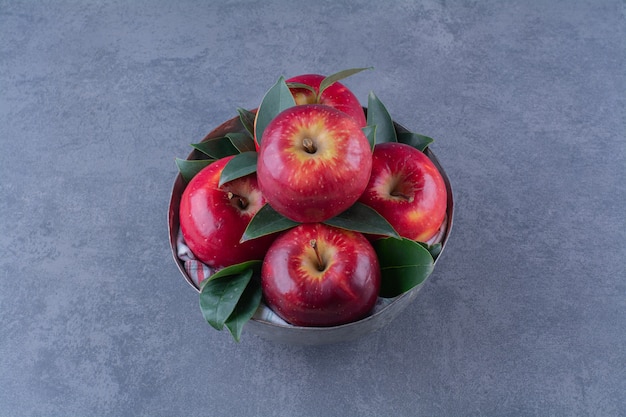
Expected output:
(335, 95)
(314, 163)
(318, 275)
(407, 190)
(213, 218)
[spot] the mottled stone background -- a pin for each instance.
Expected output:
(526, 311)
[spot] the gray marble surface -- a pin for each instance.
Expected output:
(525, 314)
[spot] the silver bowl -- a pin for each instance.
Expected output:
(299, 335)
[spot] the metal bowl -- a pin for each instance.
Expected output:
(298, 335)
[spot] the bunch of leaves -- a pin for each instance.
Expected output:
(231, 296)
(239, 143)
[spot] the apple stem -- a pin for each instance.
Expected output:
(309, 145)
(320, 263)
(402, 195)
(242, 202)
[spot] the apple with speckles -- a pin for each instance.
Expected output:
(213, 218)
(335, 95)
(305, 89)
(319, 275)
(406, 188)
(314, 162)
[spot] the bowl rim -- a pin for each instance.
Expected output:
(234, 125)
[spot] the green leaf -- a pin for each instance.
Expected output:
(189, 168)
(277, 99)
(265, 222)
(216, 148)
(364, 219)
(219, 296)
(370, 133)
(247, 120)
(242, 141)
(404, 264)
(434, 249)
(245, 309)
(419, 142)
(301, 86)
(236, 269)
(377, 115)
(331, 79)
(239, 166)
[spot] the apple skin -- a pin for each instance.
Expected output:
(406, 189)
(212, 220)
(335, 95)
(313, 187)
(344, 291)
